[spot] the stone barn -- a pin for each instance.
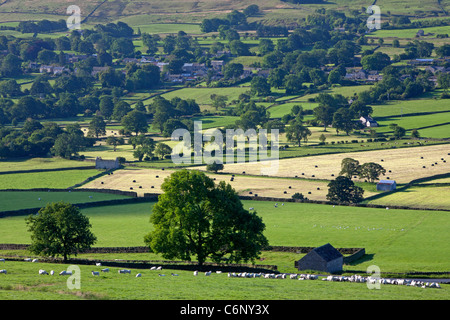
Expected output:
(386, 185)
(106, 164)
(325, 258)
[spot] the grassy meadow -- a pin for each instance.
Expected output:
(15, 200)
(395, 240)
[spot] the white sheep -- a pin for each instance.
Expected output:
(208, 273)
(3, 271)
(27, 259)
(105, 270)
(35, 260)
(195, 273)
(2, 260)
(65, 273)
(174, 274)
(43, 272)
(95, 273)
(138, 275)
(124, 271)
(98, 264)
(52, 272)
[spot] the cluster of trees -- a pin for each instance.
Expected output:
(42, 26)
(370, 170)
(169, 115)
(40, 140)
(233, 20)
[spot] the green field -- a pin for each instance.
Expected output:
(395, 240)
(15, 200)
(40, 163)
(185, 286)
(51, 179)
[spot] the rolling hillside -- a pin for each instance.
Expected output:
(178, 11)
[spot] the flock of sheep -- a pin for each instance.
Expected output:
(373, 280)
(353, 278)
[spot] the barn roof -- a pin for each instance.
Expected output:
(386, 182)
(327, 252)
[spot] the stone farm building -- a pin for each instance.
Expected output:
(386, 185)
(324, 258)
(106, 164)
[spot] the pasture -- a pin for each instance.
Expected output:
(50, 179)
(395, 240)
(15, 200)
(40, 163)
(23, 282)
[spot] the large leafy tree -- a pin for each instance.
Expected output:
(135, 121)
(371, 171)
(59, 229)
(343, 190)
(195, 217)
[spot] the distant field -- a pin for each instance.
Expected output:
(203, 95)
(53, 179)
(409, 33)
(41, 163)
(15, 200)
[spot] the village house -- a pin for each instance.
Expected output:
(368, 121)
(97, 70)
(217, 65)
(55, 70)
(356, 75)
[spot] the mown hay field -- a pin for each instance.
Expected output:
(142, 181)
(405, 164)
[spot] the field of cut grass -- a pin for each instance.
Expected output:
(14, 200)
(405, 163)
(150, 180)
